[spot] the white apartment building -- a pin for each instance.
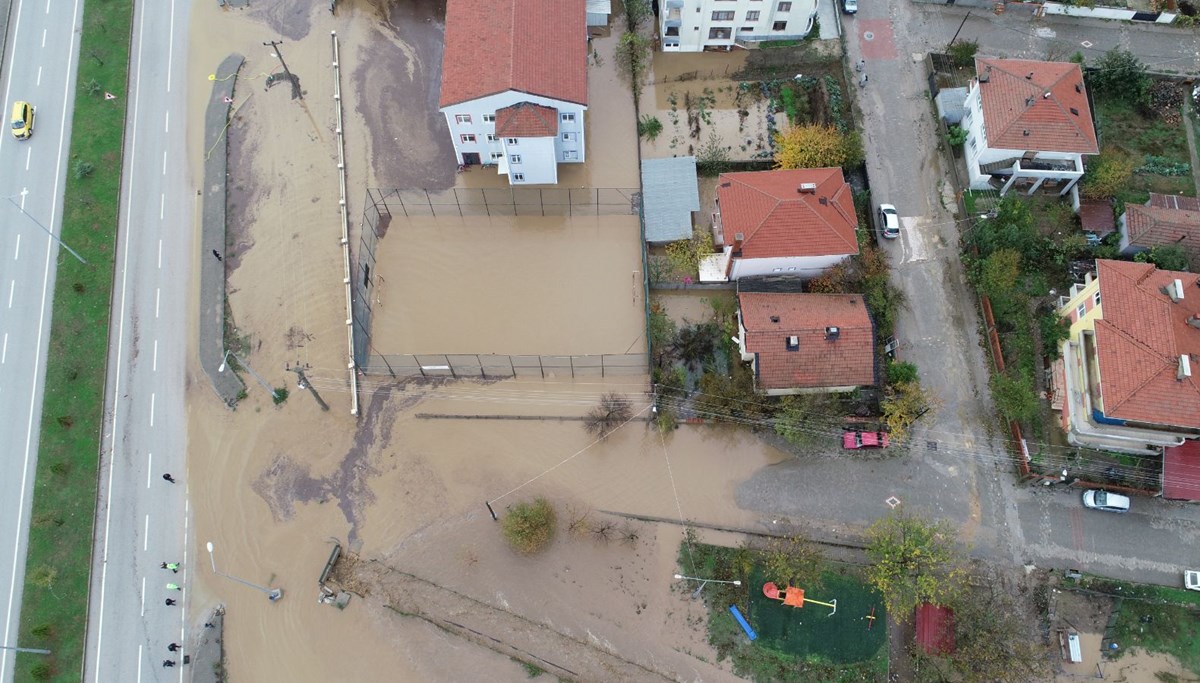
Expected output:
(697, 25)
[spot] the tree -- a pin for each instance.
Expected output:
(529, 526)
(636, 11)
(633, 55)
(696, 343)
(816, 146)
(1107, 174)
(903, 403)
(685, 255)
(997, 277)
(963, 52)
(614, 410)
(803, 420)
(1121, 76)
(901, 372)
(712, 158)
(662, 333)
(1014, 395)
(913, 561)
(1166, 257)
(1012, 226)
(793, 561)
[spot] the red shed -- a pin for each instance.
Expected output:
(935, 629)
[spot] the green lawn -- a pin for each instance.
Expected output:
(54, 607)
(1160, 628)
(1122, 126)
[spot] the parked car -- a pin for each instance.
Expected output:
(1103, 500)
(22, 120)
(850, 6)
(856, 440)
(889, 221)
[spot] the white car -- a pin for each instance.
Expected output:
(889, 221)
(1103, 500)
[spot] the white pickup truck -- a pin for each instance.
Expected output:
(1191, 580)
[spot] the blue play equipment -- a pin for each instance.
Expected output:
(742, 620)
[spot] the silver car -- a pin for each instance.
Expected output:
(889, 221)
(1103, 500)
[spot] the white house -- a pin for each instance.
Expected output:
(1028, 125)
(697, 25)
(514, 85)
(797, 222)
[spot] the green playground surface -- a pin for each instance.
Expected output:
(816, 632)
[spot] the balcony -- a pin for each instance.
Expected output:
(673, 4)
(673, 18)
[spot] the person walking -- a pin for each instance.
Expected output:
(167, 663)
(173, 587)
(169, 602)
(218, 255)
(168, 477)
(173, 566)
(173, 647)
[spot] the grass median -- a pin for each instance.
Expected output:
(55, 602)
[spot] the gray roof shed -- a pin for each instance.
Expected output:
(670, 194)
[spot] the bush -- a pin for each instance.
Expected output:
(1119, 75)
(712, 158)
(529, 527)
(633, 59)
(1166, 257)
(614, 411)
(649, 127)
(83, 169)
(963, 52)
(956, 136)
(1107, 174)
(901, 372)
(1014, 396)
(816, 146)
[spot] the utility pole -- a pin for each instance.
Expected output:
(303, 383)
(964, 22)
(274, 44)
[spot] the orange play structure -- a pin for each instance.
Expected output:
(792, 596)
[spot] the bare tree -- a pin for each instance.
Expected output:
(614, 410)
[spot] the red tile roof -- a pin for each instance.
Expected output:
(1149, 226)
(779, 220)
(1174, 201)
(1019, 115)
(1096, 215)
(935, 628)
(531, 46)
(1139, 342)
(848, 360)
(527, 120)
(1181, 471)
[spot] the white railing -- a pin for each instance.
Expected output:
(341, 145)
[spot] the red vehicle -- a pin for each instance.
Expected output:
(855, 440)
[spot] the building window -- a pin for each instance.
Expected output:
(510, 141)
(793, 343)
(1080, 312)
(1096, 299)
(492, 137)
(570, 137)
(514, 158)
(779, 26)
(462, 119)
(489, 118)
(719, 33)
(518, 177)
(752, 15)
(467, 137)
(784, 7)
(745, 29)
(570, 155)
(497, 156)
(722, 15)
(568, 118)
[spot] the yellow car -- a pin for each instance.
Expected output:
(22, 120)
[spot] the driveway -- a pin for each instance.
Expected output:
(956, 466)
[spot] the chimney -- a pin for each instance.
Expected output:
(775, 319)
(1185, 368)
(1025, 132)
(738, 238)
(807, 188)
(1029, 101)
(825, 202)
(1029, 76)
(1194, 321)
(1174, 290)
(1046, 95)
(831, 333)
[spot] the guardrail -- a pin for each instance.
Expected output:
(341, 146)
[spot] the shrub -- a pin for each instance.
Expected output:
(649, 127)
(956, 136)
(901, 372)
(633, 59)
(712, 158)
(83, 169)
(529, 526)
(963, 52)
(1107, 174)
(1166, 257)
(1014, 396)
(1121, 76)
(816, 146)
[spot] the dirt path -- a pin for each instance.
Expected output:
(505, 632)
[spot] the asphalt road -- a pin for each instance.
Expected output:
(39, 67)
(142, 520)
(957, 467)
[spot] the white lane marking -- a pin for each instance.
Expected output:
(43, 45)
(140, 647)
(913, 241)
(39, 76)
(149, 467)
(4, 353)
(17, 251)
(151, 409)
(155, 367)
(143, 607)
(164, 162)
(28, 157)
(11, 287)
(162, 209)
(167, 123)
(160, 254)
(8, 636)
(157, 293)
(146, 533)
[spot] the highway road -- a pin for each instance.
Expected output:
(39, 67)
(142, 520)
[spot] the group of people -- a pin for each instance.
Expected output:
(174, 567)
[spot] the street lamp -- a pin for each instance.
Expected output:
(48, 231)
(703, 582)
(273, 594)
(263, 382)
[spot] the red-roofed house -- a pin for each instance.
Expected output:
(1132, 361)
(514, 85)
(1162, 221)
(806, 343)
(1028, 124)
(792, 222)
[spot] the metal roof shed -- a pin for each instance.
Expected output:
(669, 196)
